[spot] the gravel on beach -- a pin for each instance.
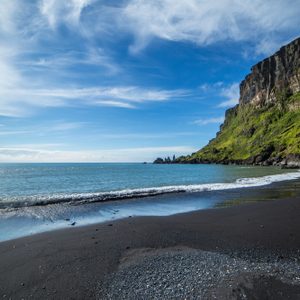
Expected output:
(249, 251)
(185, 273)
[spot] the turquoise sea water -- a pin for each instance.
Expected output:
(39, 197)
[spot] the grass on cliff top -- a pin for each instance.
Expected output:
(249, 131)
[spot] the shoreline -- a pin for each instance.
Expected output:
(289, 162)
(167, 204)
(147, 191)
(73, 262)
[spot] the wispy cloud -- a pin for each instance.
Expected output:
(127, 97)
(19, 154)
(22, 92)
(231, 94)
(200, 22)
(14, 132)
(64, 126)
(205, 87)
(93, 56)
(113, 103)
(28, 27)
(139, 136)
(43, 128)
(69, 12)
(206, 121)
(207, 22)
(32, 147)
(24, 29)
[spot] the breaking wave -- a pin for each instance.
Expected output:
(82, 198)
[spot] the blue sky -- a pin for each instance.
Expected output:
(88, 80)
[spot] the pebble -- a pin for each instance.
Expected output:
(191, 274)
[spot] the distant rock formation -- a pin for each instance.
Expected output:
(264, 128)
(166, 160)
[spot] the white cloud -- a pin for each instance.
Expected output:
(147, 136)
(93, 56)
(207, 22)
(25, 27)
(7, 12)
(197, 21)
(43, 128)
(22, 91)
(229, 103)
(31, 147)
(64, 126)
(34, 154)
(205, 87)
(14, 132)
(268, 46)
(18, 101)
(231, 94)
(113, 103)
(207, 121)
(57, 11)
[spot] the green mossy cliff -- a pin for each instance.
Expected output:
(266, 135)
(264, 128)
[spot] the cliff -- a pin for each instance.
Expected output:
(279, 73)
(264, 128)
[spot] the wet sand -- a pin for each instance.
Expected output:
(79, 263)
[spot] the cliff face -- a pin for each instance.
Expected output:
(264, 128)
(277, 73)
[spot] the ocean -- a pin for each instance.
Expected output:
(42, 197)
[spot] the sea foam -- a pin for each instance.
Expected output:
(82, 198)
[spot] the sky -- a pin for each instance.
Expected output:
(127, 80)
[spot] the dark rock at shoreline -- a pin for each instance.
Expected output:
(159, 160)
(290, 162)
(166, 160)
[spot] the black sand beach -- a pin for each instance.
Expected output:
(249, 251)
